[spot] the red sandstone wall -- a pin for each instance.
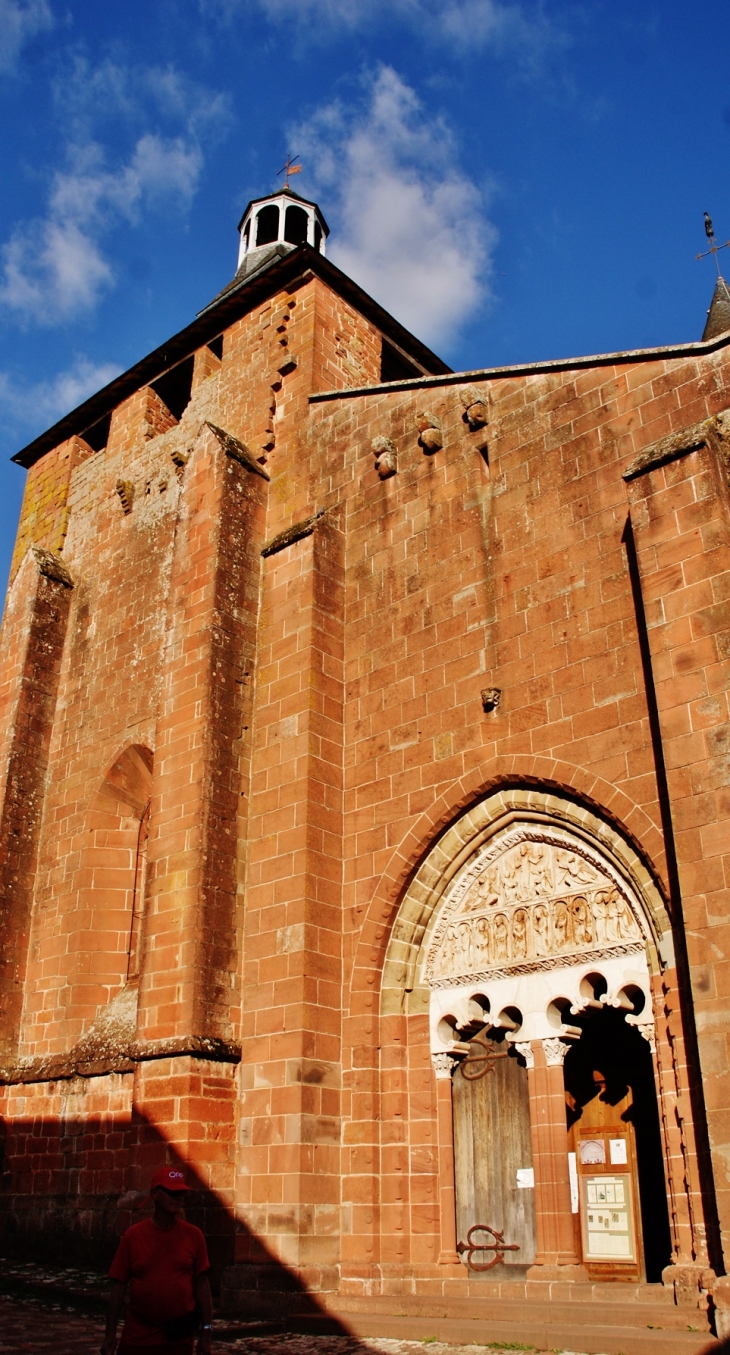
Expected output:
(44, 513)
(365, 734)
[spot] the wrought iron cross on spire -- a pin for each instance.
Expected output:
(289, 168)
(714, 249)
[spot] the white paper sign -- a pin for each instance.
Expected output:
(617, 1149)
(525, 1178)
(573, 1174)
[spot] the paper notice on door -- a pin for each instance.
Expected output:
(617, 1150)
(525, 1178)
(573, 1175)
(608, 1233)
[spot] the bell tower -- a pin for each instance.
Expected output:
(282, 221)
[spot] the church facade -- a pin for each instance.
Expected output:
(365, 833)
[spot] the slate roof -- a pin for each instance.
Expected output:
(718, 316)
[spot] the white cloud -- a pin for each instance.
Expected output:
(36, 406)
(54, 267)
(86, 95)
(20, 20)
(410, 227)
(519, 27)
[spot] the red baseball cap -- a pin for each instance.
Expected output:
(169, 1177)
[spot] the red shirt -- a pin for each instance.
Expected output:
(162, 1265)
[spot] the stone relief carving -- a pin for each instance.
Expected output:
(524, 1048)
(529, 901)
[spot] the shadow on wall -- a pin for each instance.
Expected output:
(68, 1191)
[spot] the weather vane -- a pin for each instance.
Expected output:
(289, 168)
(714, 249)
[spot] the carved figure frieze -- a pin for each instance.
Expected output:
(529, 901)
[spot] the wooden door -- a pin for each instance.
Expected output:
(493, 1154)
(609, 1212)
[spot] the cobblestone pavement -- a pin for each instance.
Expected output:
(340, 1345)
(26, 1326)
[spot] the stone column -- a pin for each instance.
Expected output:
(443, 1067)
(556, 1257)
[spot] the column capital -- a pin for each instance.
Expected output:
(648, 1030)
(555, 1051)
(524, 1048)
(443, 1065)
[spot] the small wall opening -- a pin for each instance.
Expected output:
(296, 225)
(394, 365)
(98, 435)
(174, 387)
(267, 225)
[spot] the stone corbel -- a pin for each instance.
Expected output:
(386, 460)
(475, 408)
(430, 436)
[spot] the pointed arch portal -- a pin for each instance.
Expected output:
(538, 942)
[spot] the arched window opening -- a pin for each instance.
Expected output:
(114, 871)
(247, 234)
(317, 236)
(267, 225)
(296, 226)
(138, 895)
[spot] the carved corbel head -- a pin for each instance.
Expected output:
(491, 697)
(429, 433)
(475, 408)
(386, 459)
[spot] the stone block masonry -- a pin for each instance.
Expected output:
(244, 752)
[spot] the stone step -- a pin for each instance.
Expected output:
(541, 1332)
(471, 1290)
(578, 1311)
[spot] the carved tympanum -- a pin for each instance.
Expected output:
(528, 902)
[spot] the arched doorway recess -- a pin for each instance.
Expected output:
(529, 922)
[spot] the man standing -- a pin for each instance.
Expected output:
(166, 1261)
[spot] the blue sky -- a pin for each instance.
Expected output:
(513, 180)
